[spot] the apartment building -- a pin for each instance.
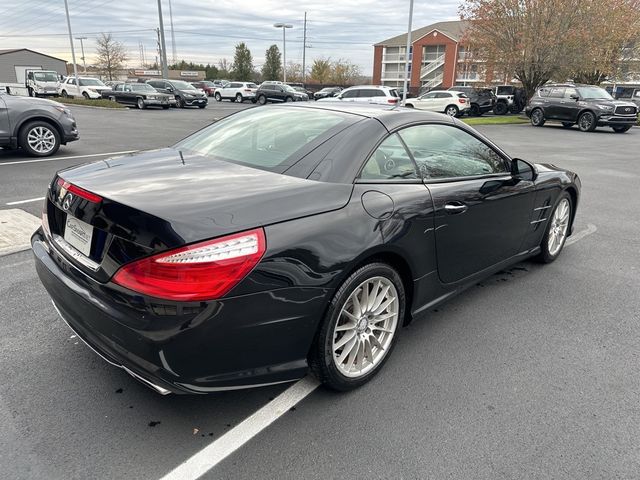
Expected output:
(436, 58)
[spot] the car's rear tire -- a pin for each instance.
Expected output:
(140, 104)
(360, 327)
(218, 97)
(409, 105)
(262, 100)
(537, 117)
(621, 128)
(500, 108)
(112, 98)
(239, 98)
(557, 230)
(567, 124)
(587, 122)
(452, 111)
(39, 139)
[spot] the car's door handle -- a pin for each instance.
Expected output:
(455, 207)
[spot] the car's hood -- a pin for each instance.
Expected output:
(615, 103)
(195, 93)
(200, 197)
(33, 101)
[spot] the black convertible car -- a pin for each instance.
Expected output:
(286, 238)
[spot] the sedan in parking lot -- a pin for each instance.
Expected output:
(141, 95)
(288, 238)
(451, 102)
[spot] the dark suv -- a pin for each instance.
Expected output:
(482, 99)
(186, 95)
(589, 106)
(275, 92)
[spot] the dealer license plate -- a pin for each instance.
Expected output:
(78, 234)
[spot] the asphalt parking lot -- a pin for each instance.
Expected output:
(532, 373)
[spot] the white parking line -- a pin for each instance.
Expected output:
(51, 159)
(591, 228)
(221, 448)
(18, 202)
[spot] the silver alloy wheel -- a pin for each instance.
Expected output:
(365, 328)
(41, 139)
(140, 103)
(451, 111)
(559, 226)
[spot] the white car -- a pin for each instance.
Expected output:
(451, 102)
(237, 92)
(89, 87)
(366, 94)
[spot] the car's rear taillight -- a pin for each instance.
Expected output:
(392, 100)
(80, 192)
(462, 100)
(202, 271)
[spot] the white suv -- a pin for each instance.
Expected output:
(89, 87)
(237, 92)
(366, 94)
(451, 102)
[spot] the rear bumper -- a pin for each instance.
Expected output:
(200, 347)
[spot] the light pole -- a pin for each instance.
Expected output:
(84, 63)
(284, 27)
(73, 50)
(406, 66)
(163, 45)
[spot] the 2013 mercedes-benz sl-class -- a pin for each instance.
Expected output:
(288, 238)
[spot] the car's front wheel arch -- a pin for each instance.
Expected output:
(41, 119)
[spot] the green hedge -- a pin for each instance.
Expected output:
(495, 120)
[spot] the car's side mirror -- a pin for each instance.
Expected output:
(339, 96)
(523, 170)
(574, 97)
(169, 89)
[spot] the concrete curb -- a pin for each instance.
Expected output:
(95, 108)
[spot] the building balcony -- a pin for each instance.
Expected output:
(394, 75)
(395, 58)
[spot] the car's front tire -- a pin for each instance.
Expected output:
(179, 102)
(39, 139)
(475, 111)
(360, 327)
(288, 99)
(587, 122)
(557, 230)
(621, 128)
(218, 97)
(537, 117)
(85, 95)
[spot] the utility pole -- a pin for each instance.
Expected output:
(73, 50)
(174, 59)
(304, 50)
(407, 56)
(163, 46)
(84, 63)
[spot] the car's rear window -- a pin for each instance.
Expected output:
(269, 138)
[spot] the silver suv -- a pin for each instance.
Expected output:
(36, 125)
(367, 94)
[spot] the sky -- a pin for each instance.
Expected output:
(207, 31)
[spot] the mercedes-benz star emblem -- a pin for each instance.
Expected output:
(67, 201)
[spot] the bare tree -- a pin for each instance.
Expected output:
(345, 72)
(111, 55)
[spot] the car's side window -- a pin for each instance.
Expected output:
(390, 161)
(118, 88)
(570, 91)
(429, 96)
(444, 151)
(556, 92)
(127, 88)
(350, 94)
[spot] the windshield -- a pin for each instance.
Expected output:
(289, 88)
(142, 87)
(91, 82)
(592, 93)
(266, 138)
(208, 84)
(45, 76)
(327, 90)
(180, 85)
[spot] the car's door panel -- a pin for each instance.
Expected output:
(553, 107)
(5, 126)
(482, 212)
